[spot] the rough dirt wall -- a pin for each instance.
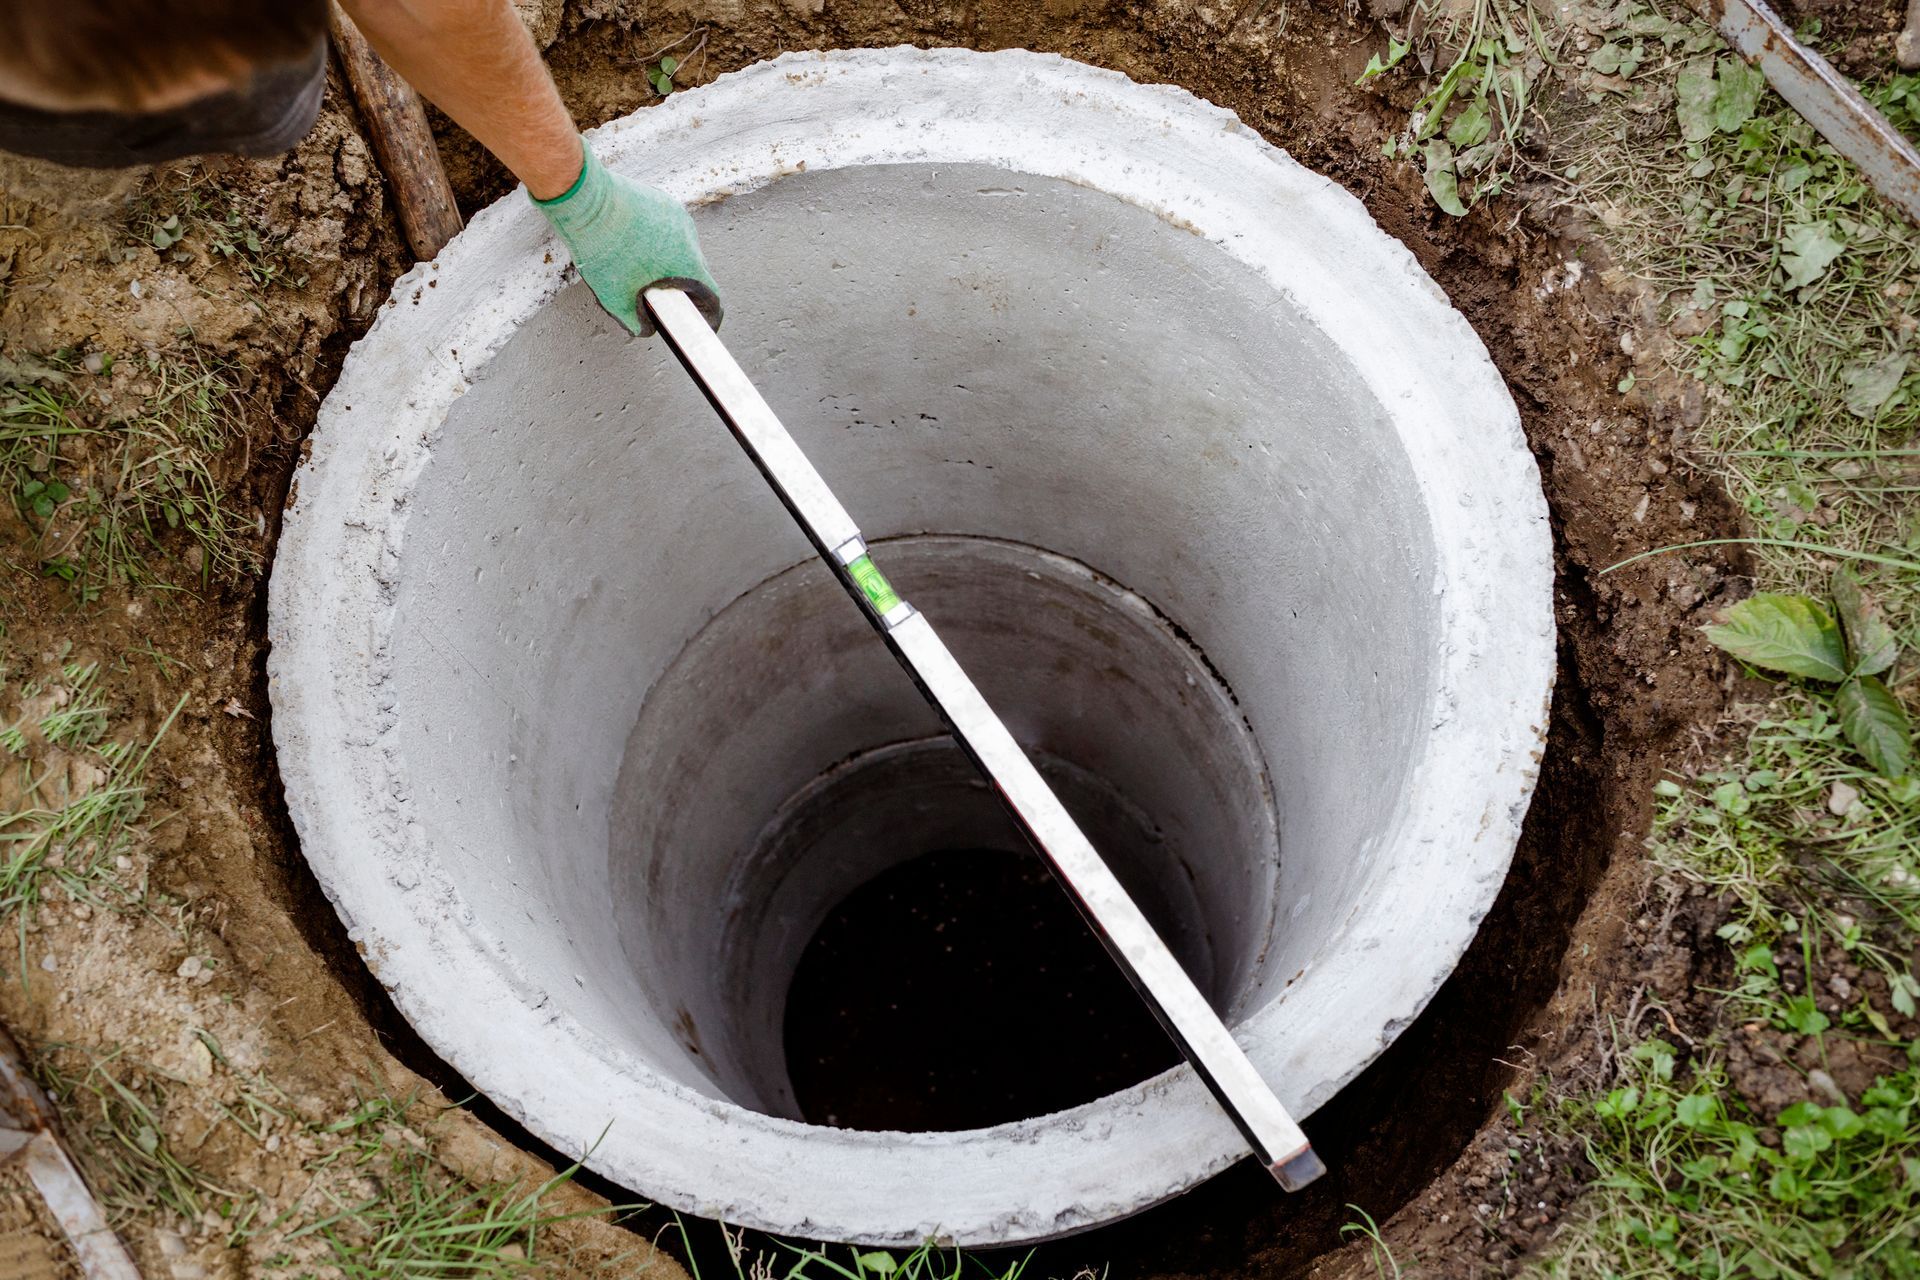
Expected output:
(283, 995)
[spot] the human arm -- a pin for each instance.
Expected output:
(475, 61)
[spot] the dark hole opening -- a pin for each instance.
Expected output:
(958, 990)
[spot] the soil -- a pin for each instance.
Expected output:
(978, 938)
(1421, 1141)
(1859, 33)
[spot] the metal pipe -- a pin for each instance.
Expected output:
(1826, 98)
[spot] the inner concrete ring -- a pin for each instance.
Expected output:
(1222, 503)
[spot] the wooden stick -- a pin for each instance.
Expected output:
(397, 123)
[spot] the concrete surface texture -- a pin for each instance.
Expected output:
(1221, 502)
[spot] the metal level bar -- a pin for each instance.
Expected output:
(1826, 98)
(1129, 937)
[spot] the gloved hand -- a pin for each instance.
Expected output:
(626, 237)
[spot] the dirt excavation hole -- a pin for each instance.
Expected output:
(779, 1045)
(1230, 514)
(565, 508)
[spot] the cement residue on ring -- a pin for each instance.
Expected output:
(1091, 339)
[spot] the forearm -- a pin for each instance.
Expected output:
(475, 61)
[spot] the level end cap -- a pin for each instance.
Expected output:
(1297, 1170)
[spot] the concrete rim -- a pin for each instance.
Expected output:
(1199, 169)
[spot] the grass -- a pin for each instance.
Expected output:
(1785, 283)
(1470, 129)
(1385, 1265)
(1790, 285)
(187, 216)
(419, 1221)
(109, 498)
(1761, 828)
(70, 835)
(115, 1111)
(1787, 292)
(786, 1261)
(380, 1204)
(1691, 1183)
(422, 1222)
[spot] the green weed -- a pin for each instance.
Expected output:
(72, 838)
(188, 219)
(33, 422)
(1806, 841)
(1472, 123)
(1691, 1183)
(105, 495)
(115, 1111)
(786, 1261)
(424, 1223)
(664, 65)
(1850, 647)
(1385, 1265)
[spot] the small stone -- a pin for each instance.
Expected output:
(1824, 1083)
(135, 289)
(190, 967)
(123, 863)
(48, 963)
(1841, 799)
(199, 1068)
(171, 1245)
(1841, 988)
(273, 1142)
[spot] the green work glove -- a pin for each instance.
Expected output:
(625, 238)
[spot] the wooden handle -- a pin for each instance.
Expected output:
(396, 122)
